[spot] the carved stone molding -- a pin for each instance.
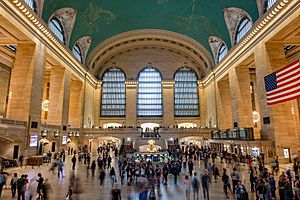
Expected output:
(67, 17)
(232, 18)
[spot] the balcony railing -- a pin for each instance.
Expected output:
(12, 122)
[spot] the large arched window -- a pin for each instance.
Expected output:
(222, 52)
(243, 27)
(269, 4)
(186, 99)
(77, 52)
(149, 101)
(31, 4)
(113, 101)
(57, 29)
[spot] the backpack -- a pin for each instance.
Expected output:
(195, 183)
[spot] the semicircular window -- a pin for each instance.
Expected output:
(77, 52)
(242, 29)
(149, 101)
(222, 52)
(113, 101)
(57, 28)
(186, 98)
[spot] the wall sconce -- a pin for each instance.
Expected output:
(56, 133)
(77, 134)
(70, 134)
(44, 133)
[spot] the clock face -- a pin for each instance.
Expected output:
(45, 105)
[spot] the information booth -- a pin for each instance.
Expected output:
(157, 157)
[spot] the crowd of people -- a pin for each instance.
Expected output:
(149, 177)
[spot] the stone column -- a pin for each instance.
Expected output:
(239, 81)
(284, 127)
(26, 85)
(131, 103)
(224, 104)
(97, 99)
(202, 103)
(75, 108)
(59, 96)
(168, 102)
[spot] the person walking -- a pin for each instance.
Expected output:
(216, 172)
(195, 185)
(40, 185)
(13, 184)
(190, 167)
(112, 176)
(152, 195)
(235, 177)
(60, 168)
(165, 172)
(21, 187)
(143, 194)
(116, 193)
(73, 162)
(226, 183)
(187, 185)
(101, 177)
(93, 168)
(205, 180)
(2, 182)
(241, 192)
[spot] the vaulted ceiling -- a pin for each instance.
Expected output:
(102, 19)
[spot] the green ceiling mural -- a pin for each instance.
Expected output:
(102, 19)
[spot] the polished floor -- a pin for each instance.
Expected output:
(88, 186)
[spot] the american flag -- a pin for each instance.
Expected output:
(284, 84)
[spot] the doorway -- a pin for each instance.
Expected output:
(16, 152)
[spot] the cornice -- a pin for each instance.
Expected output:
(24, 15)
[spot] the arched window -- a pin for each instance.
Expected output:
(113, 101)
(222, 52)
(77, 52)
(57, 29)
(186, 99)
(31, 4)
(149, 101)
(269, 4)
(243, 27)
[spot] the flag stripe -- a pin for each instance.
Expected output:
(287, 80)
(289, 65)
(284, 84)
(284, 99)
(284, 94)
(288, 73)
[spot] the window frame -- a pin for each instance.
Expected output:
(113, 92)
(186, 93)
(59, 27)
(31, 4)
(79, 52)
(241, 28)
(268, 4)
(220, 52)
(149, 82)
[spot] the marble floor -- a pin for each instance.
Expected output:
(88, 187)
